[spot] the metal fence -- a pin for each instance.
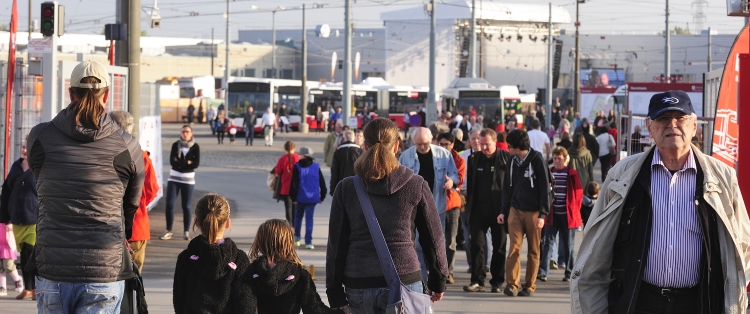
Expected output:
(26, 108)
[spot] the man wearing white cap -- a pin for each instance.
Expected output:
(89, 178)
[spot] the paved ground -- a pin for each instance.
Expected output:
(239, 172)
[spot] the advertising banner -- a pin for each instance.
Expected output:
(594, 100)
(639, 95)
(149, 132)
(607, 78)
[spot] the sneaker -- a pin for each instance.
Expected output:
(562, 266)
(496, 289)
(525, 293)
(552, 264)
(167, 235)
(542, 278)
(3, 292)
(511, 292)
(296, 243)
(474, 287)
(450, 280)
(187, 235)
(309, 246)
(19, 286)
(566, 279)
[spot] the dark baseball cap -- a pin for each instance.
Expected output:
(674, 100)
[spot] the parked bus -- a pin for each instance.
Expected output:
(330, 94)
(262, 93)
(395, 101)
(465, 95)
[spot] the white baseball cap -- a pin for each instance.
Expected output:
(87, 69)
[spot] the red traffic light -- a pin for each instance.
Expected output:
(48, 12)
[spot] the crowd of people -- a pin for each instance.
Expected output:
(83, 176)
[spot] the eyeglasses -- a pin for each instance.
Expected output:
(421, 144)
(442, 144)
(665, 120)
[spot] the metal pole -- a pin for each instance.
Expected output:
(709, 49)
(347, 97)
(31, 26)
(121, 49)
(667, 47)
(226, 63)
(473, 41)
(273, 44)
(549, 70)
(212, 51)
(134, 64)
(304, 127)
(431, 96)
(577, 74)
(49, 81)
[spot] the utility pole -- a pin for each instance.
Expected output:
(134, 62)
(431, 96)
(212, 51)
(549, 69)
(347, 97)
(667, 48)
(709, 49)
(577, 71)
(226, 64)
(303, 126)
(273, 44)
(31, 28)
(473, 41)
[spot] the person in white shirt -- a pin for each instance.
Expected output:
(539, 140)
(268, 122)
(210, 115)
(606, 146)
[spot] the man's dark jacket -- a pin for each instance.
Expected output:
(527, 186)
(342, 165)
(501, 159)
(89, 183)
(634, 237)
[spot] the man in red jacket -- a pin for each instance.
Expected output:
(453, 203)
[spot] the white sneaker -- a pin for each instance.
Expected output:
(19, 286)
(187, 235)
(3, 292)
(167, 235)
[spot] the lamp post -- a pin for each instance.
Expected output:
(273, 40)
(576, 75)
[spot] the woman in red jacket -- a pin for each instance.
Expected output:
(564, 214)
(284, 168)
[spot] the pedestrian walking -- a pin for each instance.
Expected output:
(333, 141)
(403, 202)
(184, 157)
(18, 210)
(590, 195)
(268, 123)
(90, 175)
(613, 131)
(565, 215)
(606, 150)
(526, 203)
(210, 116)
(190, 113)
(208, 274)
(8, 255)
(453, 202)
(539, 140)
(664, 236)
(277, 277)
(220, 124)
(283, 116)
(284, 168)
(581, 159)
(201, 114)
(307, 189)
(319, 121)
(344, 158)
(249, 123)
(473, 147)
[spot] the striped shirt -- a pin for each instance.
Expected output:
(561, 188)
(676, 236)
(181, 177)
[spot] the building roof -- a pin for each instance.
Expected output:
(513, 12)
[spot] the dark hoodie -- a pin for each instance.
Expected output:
(403, 203)
(89, 184)
(208, 277)
(286, 288)
(527, 185)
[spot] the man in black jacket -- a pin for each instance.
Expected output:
(591, 144)
(486, 172)
(525, 204)
(249, 124)
(344, 157)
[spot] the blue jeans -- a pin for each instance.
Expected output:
(418, 247)
(55, 297)
(249, 134)
(173, 189)
(560, 224)
(306, 210)
(373, 300)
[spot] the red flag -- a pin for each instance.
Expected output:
(11, 78)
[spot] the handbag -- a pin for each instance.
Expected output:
(401, 300)
(612, 146)
(271, 179)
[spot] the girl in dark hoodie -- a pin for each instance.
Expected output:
(276, 274)
(209, 272)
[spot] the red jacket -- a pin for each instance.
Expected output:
(573, 200)
(284, 170)
(141, 227)
(453, 199)
(502, 146)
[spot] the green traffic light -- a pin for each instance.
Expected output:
(47, 25)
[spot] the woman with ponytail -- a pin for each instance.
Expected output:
(402, 202)
(284, 169)
(89, 193)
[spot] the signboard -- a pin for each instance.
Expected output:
(39, 46)
(479, 94)
(353, 122)
(149, 132)
(639, 95)
(594, 100)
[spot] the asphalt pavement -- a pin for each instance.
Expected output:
(239, 172)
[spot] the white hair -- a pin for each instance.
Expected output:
(349, 136)
(458, 133)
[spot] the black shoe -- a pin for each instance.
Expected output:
(486, 269)
(496, 289)
(474, 287)
(542, 278)
(525, 293)
(511, 292)
(566, 279)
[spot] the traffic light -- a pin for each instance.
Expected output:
(52, 19)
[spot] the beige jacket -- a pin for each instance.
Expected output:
(591, 275)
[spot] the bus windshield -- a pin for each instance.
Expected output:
(512, 104)
(323, 99)
(290, 95)
(244, 94)
(488, 108)
(400, 102)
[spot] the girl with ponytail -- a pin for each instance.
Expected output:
(284, 167)
(208, 275)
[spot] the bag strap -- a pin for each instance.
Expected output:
(386, 262)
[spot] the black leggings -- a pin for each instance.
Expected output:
(289, 207)
(220, 136)
(28, 280)
(606, 162)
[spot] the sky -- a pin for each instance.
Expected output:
(196, 18)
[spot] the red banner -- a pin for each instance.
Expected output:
(9, 86)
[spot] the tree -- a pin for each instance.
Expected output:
(4, 28)
(144, 34)
(677, 31)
